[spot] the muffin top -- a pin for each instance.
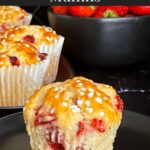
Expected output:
(75, 100)
(34, 34)
(18, 53)
(10, 14)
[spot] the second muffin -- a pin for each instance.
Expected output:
(21, 72)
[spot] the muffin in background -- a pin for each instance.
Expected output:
(11, 16)
(21, 72)
(77, 114)
(18, 53)
(35, 34)
(44, 38)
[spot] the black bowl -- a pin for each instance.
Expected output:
(106, 41)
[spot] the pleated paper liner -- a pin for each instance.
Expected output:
(54, 52)
(17, 84)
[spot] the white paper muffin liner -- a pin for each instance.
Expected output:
(53, 51)
(17, 84)
(25, 21)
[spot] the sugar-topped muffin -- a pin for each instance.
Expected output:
(22, 71)
(42, 37)
(18, 53)
(10, 16)
(77, 114)
(34, 34)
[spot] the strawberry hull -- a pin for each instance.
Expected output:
(104, 42)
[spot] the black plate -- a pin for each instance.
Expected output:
(134, 133)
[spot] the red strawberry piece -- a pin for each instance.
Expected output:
(129, 15)
(21, 17)
(81, 129)
(98, 125)
(44, 118)
(60, 9)
(4, 27)
(140, 10)
(82, 11)
(119, 104)
(29, 38)
(80, 148)
(56, 146)
(52, 136)
(14, 61)
(98, 13)
(42, 56)
(111, 11)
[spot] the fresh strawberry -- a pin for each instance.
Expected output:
(60, 9)
(111, 11)
(140, 10)
(98, 13)
(82, 11)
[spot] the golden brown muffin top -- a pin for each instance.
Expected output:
(10, 14)
(18, 53)
(75, 100)
(34, 34)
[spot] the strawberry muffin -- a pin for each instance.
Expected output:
(13, 16)
(44, 38)
(35, 34)
(77, 114)
(22, 71)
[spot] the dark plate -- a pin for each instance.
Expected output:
(65, 71)
(134, 133)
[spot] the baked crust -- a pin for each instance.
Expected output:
(18, 53)
(75, 99)
(34, 34)
(10, 14)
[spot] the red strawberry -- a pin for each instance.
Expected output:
(98, 125)
(129, 15)
(81, 129)
(29, 38)
(82, 11)
(98, 13)
(60, 9)
(140, 10)
(44, 118)
(111, 11)
(56, 146)
(42, 56)
(14, 61)
(119, 104)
